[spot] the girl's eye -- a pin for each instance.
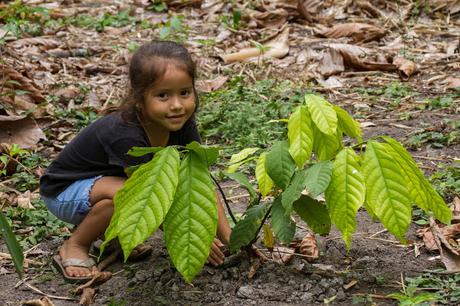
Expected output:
(185, 92)
(162, 95)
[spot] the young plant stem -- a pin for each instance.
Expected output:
(230, 212)
(261, 224)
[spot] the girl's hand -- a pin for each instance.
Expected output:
(216, 257)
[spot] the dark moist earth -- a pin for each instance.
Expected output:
(375, 264)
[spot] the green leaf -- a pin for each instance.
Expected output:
(244, 181)
(322, 113)
(131, 169)
(280, 165)
(346, 193)
(141, 205)
(300, 135)
(386, 192)
(263, 179)
(347, 124)
(318, 178)
(13, 246)
(209, 154)
(239, 158)
(294, 190)
(191, 223)
(420, 190)
(141, 151)
(282, 225)
(314, 214)
(246, 229)
(325, 146)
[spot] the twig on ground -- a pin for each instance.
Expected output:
(378, 233)
(442, 158)
(49, 295)
(375, 296)
(27, 261)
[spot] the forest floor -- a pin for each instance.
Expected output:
(395, 67)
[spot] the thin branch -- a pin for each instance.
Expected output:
(230, 212)
(49, 295)
(261, 224)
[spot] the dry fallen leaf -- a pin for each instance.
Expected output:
(211, 85)
(24, 200)
(309, 9)
(277, 48)
(66, 94)
(351, 56)
(450, 257)
(20, 82)
(45, 42)
(309, 247)
(405, 67)
(44, 301)
(280, 255)
(24, 131)
(359, 32)
(269, 19)
(331, 63)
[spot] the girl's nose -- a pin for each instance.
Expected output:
(176, 103)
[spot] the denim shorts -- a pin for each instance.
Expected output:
(73, 204)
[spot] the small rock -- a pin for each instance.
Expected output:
(362, 107)
(53, 290)
(246, 292)
(292, 282)
(141, 276)
(340, 296)
(306, 297)
(331, 292)
(324, 283)
(174, 287)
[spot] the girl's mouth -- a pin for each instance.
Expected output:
(175, 116)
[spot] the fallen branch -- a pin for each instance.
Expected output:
(50, 295)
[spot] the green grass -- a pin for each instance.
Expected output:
(39, 221)
(427, 288)
(18, 19)
(239, 115)
(447, 180)
(448, 136)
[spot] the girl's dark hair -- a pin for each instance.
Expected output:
(147, 65)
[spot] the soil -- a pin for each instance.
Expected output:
(374, 264)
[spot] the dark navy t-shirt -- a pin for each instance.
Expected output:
(100, 149)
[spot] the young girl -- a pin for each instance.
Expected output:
(79, 185)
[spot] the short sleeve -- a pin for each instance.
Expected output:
(118, 150)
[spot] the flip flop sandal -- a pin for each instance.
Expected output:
(73, 262)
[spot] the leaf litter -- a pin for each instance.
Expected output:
(360, 54)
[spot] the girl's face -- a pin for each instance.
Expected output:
(170, 101)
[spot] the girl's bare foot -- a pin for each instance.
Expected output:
(71, 249)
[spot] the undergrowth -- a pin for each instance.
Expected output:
(33, 225)
(428, 289)
(241, 115)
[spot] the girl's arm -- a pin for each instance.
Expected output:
(223, 228)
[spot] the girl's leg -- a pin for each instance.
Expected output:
(94, 224)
